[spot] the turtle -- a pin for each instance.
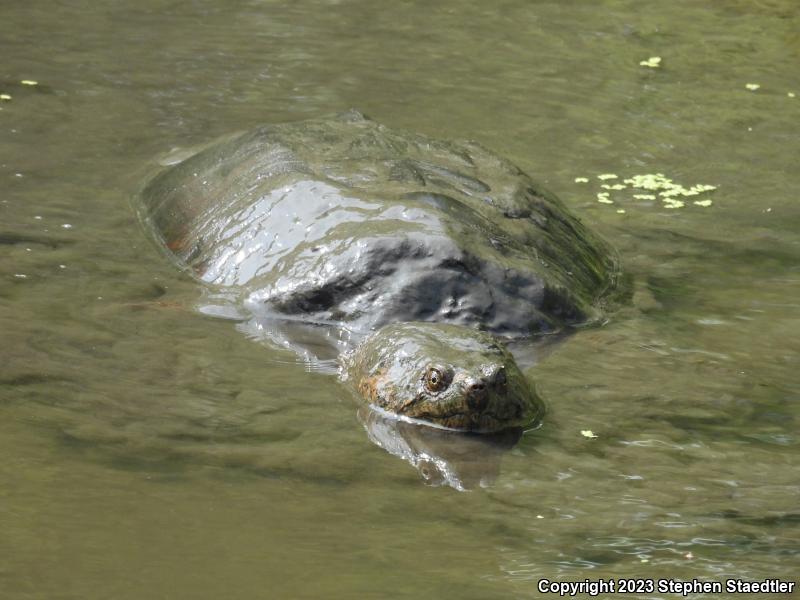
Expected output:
(419, 259)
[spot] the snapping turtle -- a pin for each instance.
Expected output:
(416, 256)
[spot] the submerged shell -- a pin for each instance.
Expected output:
(344, 220)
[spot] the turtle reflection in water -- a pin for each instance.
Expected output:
(463, 461)
(413, 258)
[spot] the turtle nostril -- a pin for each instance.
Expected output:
(477, 396)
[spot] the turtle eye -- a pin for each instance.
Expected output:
(434, 380)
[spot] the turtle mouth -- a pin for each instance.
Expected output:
(469, 422)
(478, 421)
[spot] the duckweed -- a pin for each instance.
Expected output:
(603, 198)
(653, 62)
(658, 186)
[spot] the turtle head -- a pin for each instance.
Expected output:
(448, 375)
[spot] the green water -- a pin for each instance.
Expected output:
(153, 452)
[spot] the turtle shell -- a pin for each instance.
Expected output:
(344, 220)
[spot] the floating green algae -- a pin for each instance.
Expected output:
(603, 198)
(653, 62)
(656, 186)
(674, 204)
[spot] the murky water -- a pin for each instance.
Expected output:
(151, 451)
